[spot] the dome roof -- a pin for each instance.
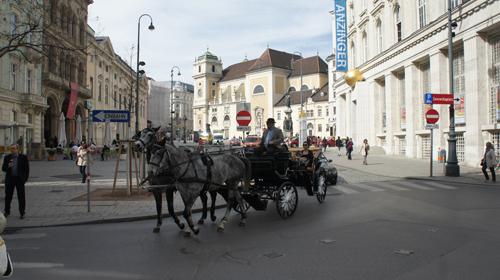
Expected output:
(207, 55)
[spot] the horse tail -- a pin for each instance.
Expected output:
(248, 172)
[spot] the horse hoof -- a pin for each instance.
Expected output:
(213, 218)
(242, 223)
(201, 222)
(187, 233)
(220, 229)
(181, 226)
(196, 231)
(156, 230)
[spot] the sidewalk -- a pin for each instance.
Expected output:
(385, 167)
(55, 196)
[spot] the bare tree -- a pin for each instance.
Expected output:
(23, 35)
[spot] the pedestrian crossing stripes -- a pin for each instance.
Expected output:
(391, 186)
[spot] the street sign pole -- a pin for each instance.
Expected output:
(89, 157)
(432, 147)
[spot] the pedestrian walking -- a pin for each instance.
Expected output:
(349, 146)
(338, 144)
(489, 161)
(17, 170)
(364, 151)
(325, 144)
(82, 161)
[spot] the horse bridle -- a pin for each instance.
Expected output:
(170, 166)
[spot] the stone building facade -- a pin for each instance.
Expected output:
(401, 48)
(261, 82)
(21, 102)
(65, 34)
(111, 82)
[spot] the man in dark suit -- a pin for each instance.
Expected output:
(16, 168)
(272, 138)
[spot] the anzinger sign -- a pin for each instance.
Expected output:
(341, 36)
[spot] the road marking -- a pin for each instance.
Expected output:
(345, 189)
(388, 185)
(415, 185)
(23, 248)
(369, 188)
(36, 265)
(441, 186)
(17, 236)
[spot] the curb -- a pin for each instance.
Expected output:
(447, 181)
(9, 230)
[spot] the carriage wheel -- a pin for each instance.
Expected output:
(287, 199)
(321, 185)
(241, 207)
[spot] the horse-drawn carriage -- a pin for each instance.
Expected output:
(193, 173)
(276, 177)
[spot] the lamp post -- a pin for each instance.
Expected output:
(139, 63)
(172, 101)
(302, 116)
(185, 119)
(452, 167)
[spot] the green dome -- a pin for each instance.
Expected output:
(208, 55)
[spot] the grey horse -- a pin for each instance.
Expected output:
(145, 140)
(192, 176)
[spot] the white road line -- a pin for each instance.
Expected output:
(36, 265)
(23, 248)
(438, 185)
(368, 188)
(24, 236)
(345, 189)
(415, 185)
(388, 185)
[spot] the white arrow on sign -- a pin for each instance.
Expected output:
(101, 116)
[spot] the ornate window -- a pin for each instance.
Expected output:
(422, 13)
(292, 89)
(353, 54)
(214, 122)
(380, 36)
(227, 121)
(304, 87)
(99, 90)
(365, 47)
(258, 89)
(397, 19)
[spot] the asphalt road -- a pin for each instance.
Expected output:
(398, 232)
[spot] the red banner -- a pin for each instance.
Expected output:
(73, 98)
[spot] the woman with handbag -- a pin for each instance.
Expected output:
(82, 160)
(489, 161)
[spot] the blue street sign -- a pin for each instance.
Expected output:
(110, 115)
(341, 35)
(428, 98)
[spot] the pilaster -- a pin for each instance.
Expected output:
(391, 110)
(476, 95)
(411, 91)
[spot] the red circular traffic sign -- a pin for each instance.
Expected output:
(243, 118)
(432, 116)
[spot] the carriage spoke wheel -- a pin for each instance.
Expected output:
(286, 200)
(321, 187)
(241, 207)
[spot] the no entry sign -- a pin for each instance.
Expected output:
(432, 116)
(243, 118)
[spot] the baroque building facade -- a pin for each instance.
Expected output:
(261, 83)
(401, 47)
(111, 82)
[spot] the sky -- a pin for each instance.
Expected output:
(230, 29)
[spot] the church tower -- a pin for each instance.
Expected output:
(207, 72)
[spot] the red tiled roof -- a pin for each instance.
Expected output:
(274, 58)
(237, 70)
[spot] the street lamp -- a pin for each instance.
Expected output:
(302, 119)
(452, 167)
(185, 119)
(139, 63)
(172, 101)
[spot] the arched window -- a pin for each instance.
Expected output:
(304, 87)
(214, 122)
(213, 68)
(397, 20)
(291, 89)
(114, 98)
(200, 92)
(258, 89)
(380, 36)
(365, 47)
(227, 121)
(99, 91)
(106, 94)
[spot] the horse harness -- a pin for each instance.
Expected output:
(207, 161)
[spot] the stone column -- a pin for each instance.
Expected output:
(476, 89)
(391, 110)
(439, 84)
(412, 117)
(373, 113)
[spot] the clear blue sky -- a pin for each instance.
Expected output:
(230, 28)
